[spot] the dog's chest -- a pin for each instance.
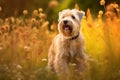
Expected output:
(71, 48)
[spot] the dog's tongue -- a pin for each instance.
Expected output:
(67, 27)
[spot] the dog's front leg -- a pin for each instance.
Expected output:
(51, 56)
(80, 60)
(61, 67)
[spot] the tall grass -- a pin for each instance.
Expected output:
(24, 44)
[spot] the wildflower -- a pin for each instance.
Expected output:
(89, 17)
(99, 16)
(14, 27)
(108, 14)
(0, 32)
(1, 48)
(44, 60)
(40, 10)
(2, 29)
(76, 6)
(100, 12)
(35, 12)
(25, 12)
(110, 7)
(42, 15)
(12, 19)
(27, 47)
(45, 24)
(118, 10)
(5, 36)
(115, 6)
(33, 20)
(1, 21)
(102, 2)
(6, 27)
(19, 66)
(53, 3)
(7, 20)
(54, 26)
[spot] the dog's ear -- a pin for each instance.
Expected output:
(81, 14)
(59, 16)
(61, 13)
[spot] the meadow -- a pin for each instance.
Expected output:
(24, 44)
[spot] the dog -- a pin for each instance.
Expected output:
(68, 46)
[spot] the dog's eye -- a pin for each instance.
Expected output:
(73, 17)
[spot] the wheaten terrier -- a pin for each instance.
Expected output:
(68, 46)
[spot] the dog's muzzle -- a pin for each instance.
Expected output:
(66, 26)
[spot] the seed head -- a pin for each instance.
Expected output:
(100, 12)
(76, 6)
(25, 12)
(44, 60)
(53, 3)
(40, 10)
(99, 16)
(35, 12)
(115, 6)
(42, 15)
(33, 20)
(102, 2)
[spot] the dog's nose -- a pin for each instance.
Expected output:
(65, 21)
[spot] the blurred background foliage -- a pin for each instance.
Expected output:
(25, 38)
(50, 7)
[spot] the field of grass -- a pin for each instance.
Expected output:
(24, 43)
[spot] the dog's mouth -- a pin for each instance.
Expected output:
(67, 28)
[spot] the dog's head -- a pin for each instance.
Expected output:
(69, 22)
